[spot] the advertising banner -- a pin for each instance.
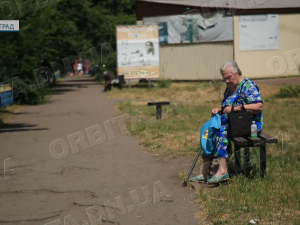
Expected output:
(138, 51)
(259, 32)
(193, 28)
(163, 32)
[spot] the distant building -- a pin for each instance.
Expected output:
(197, 36)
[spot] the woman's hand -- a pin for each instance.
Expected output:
(235, 108)
(215, 111)
(253, 108)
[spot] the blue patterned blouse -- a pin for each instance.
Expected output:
(247, 92)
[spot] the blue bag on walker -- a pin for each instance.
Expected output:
(208, 130)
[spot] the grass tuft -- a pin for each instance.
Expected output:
(289, 92)
(164, 83)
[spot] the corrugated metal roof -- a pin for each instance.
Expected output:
(234, 4)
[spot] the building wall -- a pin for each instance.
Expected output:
(199, 61)
(254, 64)
(151, 9)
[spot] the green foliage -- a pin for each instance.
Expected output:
(58, 31)
(289, 92)
(164, 83)
(24, 95)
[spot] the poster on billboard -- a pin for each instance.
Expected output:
(259, 32)
(163, 32)
(138, 51)
(193, 28)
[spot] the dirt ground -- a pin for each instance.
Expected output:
(42, 189)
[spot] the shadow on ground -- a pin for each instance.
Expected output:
(60, 91)
(64, 85)
(19, 113)
(139, 86)
(18, 127)
(78, 80)
(71, 84)
(60, 88)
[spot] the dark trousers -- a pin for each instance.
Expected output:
(107, 87)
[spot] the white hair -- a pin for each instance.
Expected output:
(234, 67)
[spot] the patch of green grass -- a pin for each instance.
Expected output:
(183, 178)
(289, 92)
(274, 199)
(268, 199)
(164, 83)
(7, 112)
(177, 133)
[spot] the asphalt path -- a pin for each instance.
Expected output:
(111, 174)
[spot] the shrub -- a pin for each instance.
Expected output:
(23, 95)
(164, 83)
(289, 92)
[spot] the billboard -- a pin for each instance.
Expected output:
(193, 28)
(138, 51)
(259, 32)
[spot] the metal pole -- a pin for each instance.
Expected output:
(192, 168)
(149, 83)
(129, 83)
(158, 112)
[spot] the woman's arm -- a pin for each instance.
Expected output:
(255, 108)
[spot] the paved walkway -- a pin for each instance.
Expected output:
(50, 189)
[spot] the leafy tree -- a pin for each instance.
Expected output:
(57, 31)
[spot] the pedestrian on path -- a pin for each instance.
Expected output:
(108, 78)
(79, 69)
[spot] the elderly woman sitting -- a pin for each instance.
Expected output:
(246, 91)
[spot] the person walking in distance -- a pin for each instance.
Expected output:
(107, 78)
(79, 69)
(71, 71)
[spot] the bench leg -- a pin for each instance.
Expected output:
(158, 112)
(247, 161)
(237, 152)
(263, 159)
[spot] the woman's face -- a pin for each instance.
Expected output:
(230, 77)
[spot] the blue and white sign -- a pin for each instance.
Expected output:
(9, 25)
